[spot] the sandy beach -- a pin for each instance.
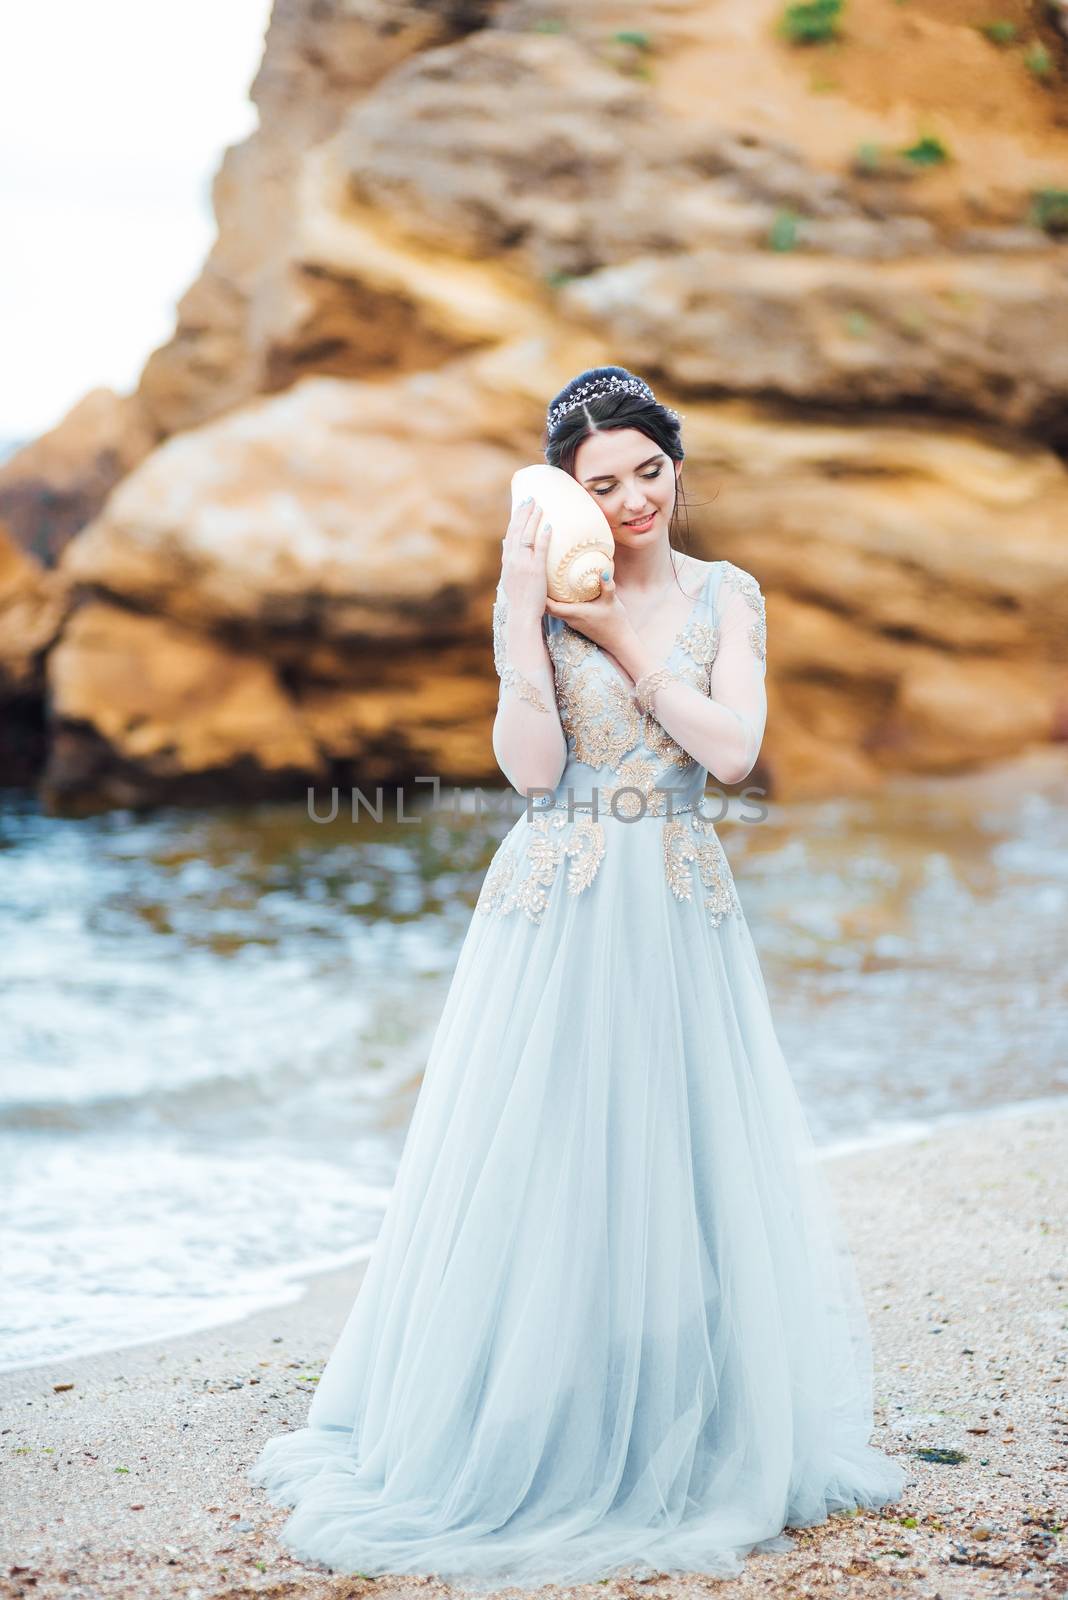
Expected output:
(124, 1472)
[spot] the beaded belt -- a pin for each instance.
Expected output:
(584, 805)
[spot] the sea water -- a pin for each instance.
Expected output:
(213, 1022)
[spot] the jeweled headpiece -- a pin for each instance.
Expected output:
(610, 384)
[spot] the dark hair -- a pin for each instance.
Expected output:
(615, 409)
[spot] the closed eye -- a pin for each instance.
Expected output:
(654, 474)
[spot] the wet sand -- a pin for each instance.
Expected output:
(123, 1473)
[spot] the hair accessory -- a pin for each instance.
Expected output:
(612, 384)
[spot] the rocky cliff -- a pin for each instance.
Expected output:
(845, 262)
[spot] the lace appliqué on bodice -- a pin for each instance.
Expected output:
(604, 724)
(608, 730)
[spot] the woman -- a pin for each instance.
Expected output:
(610, 1324)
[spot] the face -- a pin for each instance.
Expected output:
(630, 478)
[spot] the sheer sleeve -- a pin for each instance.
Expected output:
(528, 740)
(740, 667)
(507, 672)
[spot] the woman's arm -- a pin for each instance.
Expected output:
(723, 733)
(528, 740)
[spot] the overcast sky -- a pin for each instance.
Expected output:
(113, 117)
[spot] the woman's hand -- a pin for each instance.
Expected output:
(523, 563)
(603, 620)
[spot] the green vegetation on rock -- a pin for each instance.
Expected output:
(1049, 210)
(811, 21)
(928, 151)
(1038, 61)
(782, 235)
(640, 41)
(868, 158)
(1000, 31)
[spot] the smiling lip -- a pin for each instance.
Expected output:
(640, 522)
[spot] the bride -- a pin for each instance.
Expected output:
(610, 1325)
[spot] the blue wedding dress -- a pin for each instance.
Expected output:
(610, 1324)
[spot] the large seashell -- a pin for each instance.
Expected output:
(581, 545)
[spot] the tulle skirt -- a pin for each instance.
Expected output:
(610, 1324)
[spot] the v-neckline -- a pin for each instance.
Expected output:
(614, 665)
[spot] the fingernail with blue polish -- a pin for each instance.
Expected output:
(606, 575)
